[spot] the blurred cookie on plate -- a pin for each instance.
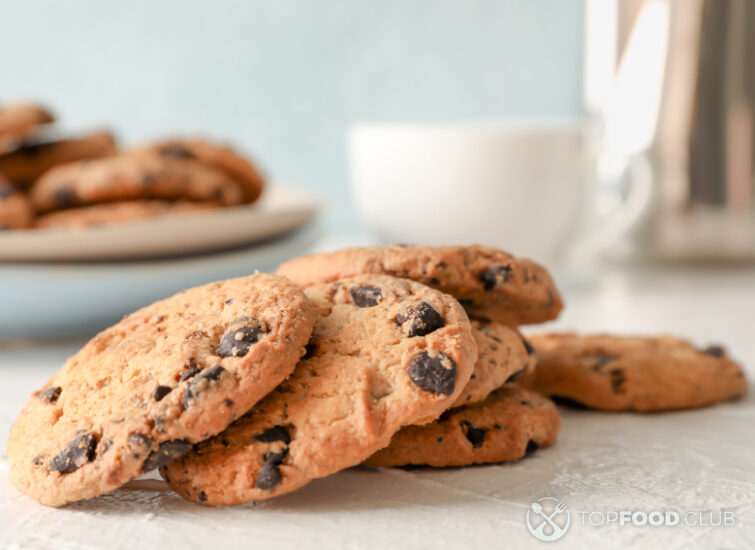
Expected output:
(136, 175)
(15, 209)
(33, 155)
(118, 212)
(191, 170)
(18, 119)
(218, 156)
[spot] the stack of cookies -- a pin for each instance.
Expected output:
(86, 181)
(27, 151)
(492, 419)
(249, 388)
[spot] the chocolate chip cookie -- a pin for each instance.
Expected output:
(502, 356)
(15, 208)
(384, 353)
(506, 426)
(118, 212)
(615, 373)
(32, 156)
(144, 390)
(16, 119)
(218, 156)
(133, 176)
(490, 284)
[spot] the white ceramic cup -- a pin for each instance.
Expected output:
(523, 186)
(528, 187)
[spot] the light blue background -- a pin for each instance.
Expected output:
(285, 79)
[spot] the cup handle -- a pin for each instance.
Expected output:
(623, 193)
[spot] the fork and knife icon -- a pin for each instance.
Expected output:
(556, 530)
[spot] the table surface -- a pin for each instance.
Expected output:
(693, 461)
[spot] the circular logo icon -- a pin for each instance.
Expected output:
(548, 519)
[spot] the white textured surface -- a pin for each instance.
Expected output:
(695, 460)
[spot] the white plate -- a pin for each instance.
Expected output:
(279, 210)
(55, 300)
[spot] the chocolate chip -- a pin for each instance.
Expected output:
(422, 318)
(229, 403)
(167, 451)
(598, 360)
(497, 426)
(176, 151)
(365, 296)
(516, 376)
(715, 351)
(200, 382)
(309, 351)
(63, 196)
(148, 180)
(78, 452)
(213, 373)
(160, 391)
(551, 298)
(240, 336)
(229, 301)
(439, 440)
(532, 446)
(433, 374)
(476, 436)
(50, 395)
(496, 275)
(191, 371)
(269, 477)
(617, 379)
(276, 433)
(202, 496)
(139, 443)
(529, 347)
